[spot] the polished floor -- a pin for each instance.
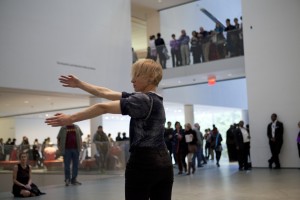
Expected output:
(209, 183)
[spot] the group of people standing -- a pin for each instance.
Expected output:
(238, 143)
(187, 143)
(206, 45)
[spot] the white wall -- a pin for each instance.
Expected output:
(272, 60)
(231, 93)
(7, 129)
(41, 40)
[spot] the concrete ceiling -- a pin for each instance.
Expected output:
(159, 4)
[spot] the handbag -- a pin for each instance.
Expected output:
(165, 52)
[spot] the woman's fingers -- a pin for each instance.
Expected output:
(57, 120)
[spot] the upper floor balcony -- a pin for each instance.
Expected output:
(193, 60)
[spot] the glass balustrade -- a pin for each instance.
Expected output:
(96, 158)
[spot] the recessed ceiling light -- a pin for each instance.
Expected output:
(26, 101)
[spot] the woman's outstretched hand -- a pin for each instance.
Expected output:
(69, 81)
(59, 119)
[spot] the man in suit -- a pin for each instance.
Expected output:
(242, 142)
(275, 135)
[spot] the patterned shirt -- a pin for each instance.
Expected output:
(147, 119)
(71, 138)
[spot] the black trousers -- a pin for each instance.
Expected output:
(275, 150)
(232, 152)
(243, 154)
(149, 175)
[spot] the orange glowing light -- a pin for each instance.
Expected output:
(211, 80)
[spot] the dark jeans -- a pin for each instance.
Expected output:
(71, 155)
(218, 155)
(162, 59)
(176, 57)
(200, 157)
(149, 174)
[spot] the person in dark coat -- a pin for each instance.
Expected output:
(230, 143)
(180, 147)
(298, 139)
(275, 135)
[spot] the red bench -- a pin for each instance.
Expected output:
(54, 164)
(9, 164)
(88, 164)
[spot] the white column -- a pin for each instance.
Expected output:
(272, 74)
(189, 114)
(245, 116)
(94, 123)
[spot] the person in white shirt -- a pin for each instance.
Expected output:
(242, 141)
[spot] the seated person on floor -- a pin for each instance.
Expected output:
(23, 186)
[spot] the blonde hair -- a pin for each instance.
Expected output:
(188, 125)
(148, 68)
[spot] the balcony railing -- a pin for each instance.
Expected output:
(213, 47)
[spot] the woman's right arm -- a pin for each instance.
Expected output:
(102, 92)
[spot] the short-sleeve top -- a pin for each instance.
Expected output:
(147, 119)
